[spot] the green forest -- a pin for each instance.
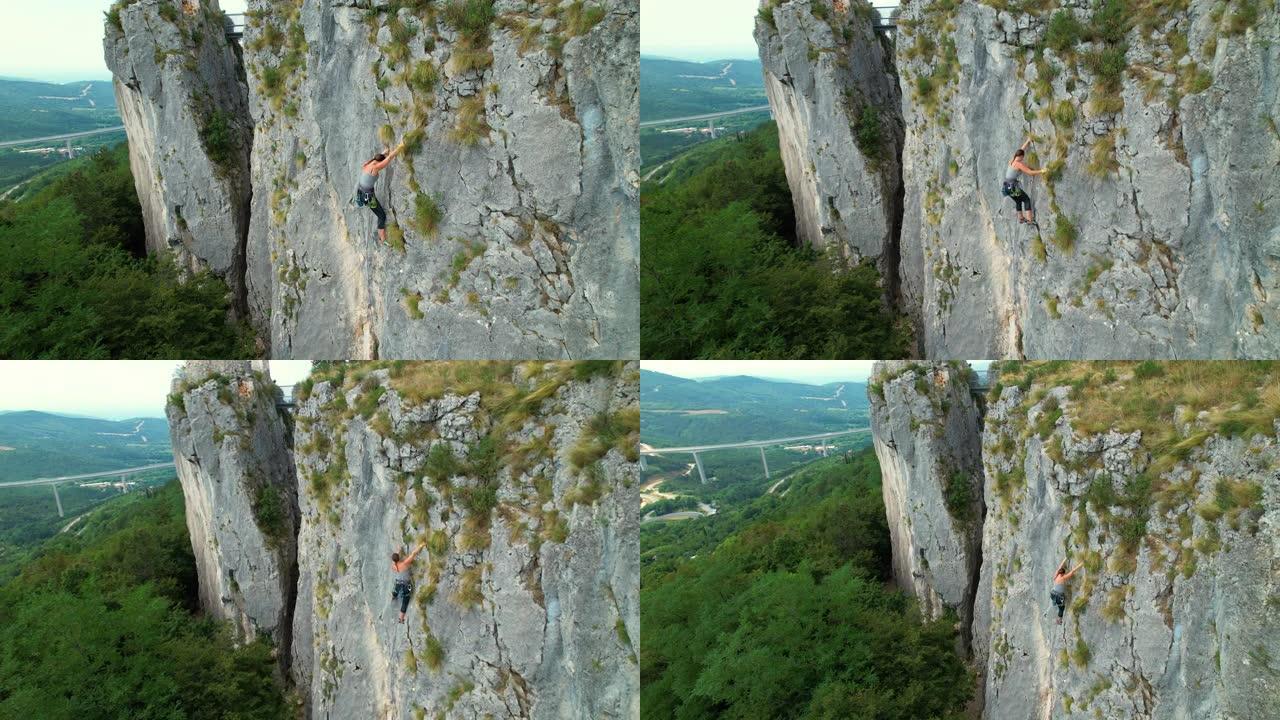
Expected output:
(75, 281)
(784, 612)
(103, 625)
(721, 277)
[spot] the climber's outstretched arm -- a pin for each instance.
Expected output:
(1018, 163)
(414, 554)
(382, 164)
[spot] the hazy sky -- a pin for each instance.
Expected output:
(698, 29)
(104, 388)
(816, 372)
(58, 40)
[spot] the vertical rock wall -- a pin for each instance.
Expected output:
(514, 218)
(927, 428)
(830, 79)
(233, 453)
(1174, 614)
(1173, 520)
(522, 483)
(182, 97)
(1158, 235)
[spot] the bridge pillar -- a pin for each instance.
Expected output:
(702, 474)
(58, 500)
(764, 462)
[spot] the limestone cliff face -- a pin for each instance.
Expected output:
(514, 210)
(926, 429)
(1158, 123)
(526, 594)
(1174, 613)
(233, 452)
(1162, 483)
(831, 84)
(1153, 239)
(519, 480)
(183, 99)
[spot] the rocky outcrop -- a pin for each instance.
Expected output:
(834, 94)
(514, 220)
(523, 488)
(182, 97)
(927, 433)
(1160, 482)
(1157, 122)
(233, 452)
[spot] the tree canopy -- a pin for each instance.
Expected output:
(101, 626)
(74, 282)
(787, 614)
(720, 276)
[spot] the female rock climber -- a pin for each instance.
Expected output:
(1059, 591)
(364, 190)
(1011, 188)
(404, 582)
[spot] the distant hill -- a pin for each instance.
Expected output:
(37, 444)
(678, 411)
(30, 109)
(677, 88)
(36, 109)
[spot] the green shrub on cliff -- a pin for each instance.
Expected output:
(1064, 31)
(219, 141)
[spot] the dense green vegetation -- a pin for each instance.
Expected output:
(74, 284)
(720, 276)
(783, 612)
(100, 625)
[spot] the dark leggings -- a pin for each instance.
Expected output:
(376, 207)
(403, 592)
(1021, 200)
(1060, 601)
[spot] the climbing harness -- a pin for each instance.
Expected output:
(365, 198)
(402, 587)
(1011, 189)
